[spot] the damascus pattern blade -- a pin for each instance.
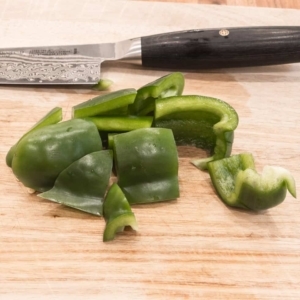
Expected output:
(23, 72)
(51, 65)
(73, 64)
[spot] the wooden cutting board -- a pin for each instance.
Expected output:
(191, 248)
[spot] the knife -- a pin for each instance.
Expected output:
(191, 49)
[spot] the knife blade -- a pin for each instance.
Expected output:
(190, 49)
(68, 64)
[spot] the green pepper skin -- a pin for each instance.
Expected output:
(83, 184)
(42, 154)
(166, 86)
(52, 117)
(114, 103)
(204, 122)
(146, 163)
(117, 213)
(239, 185)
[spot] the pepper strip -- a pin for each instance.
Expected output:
(114, 103)
(238, 184)
(166, 86)
(83, 184)
(146, 163)
(204, 122)
(117, 213)
(52, 117)
(121, 124)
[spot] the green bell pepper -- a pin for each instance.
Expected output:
(238, 184)
(115, 103)
(83, 184)
(204, 122)
(146, 163)
(166, 86)
(42, 154)
(117, 213)
(52, 117)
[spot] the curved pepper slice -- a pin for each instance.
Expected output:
(147, 165)
(42, 154)
(114, 103)
(239, 185)
(83, 184)
(204, 122)
(166, 86)
(117, 213)
(52, 117)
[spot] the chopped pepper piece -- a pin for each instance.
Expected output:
(121, 123)
(83, 184)
(117, 213)
(103, 85)
(238, 184)
(166, 86)
(114, 103)
(147, 165)
(52, 117)
(42, 154)
(204, 122)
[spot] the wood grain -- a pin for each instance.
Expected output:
(190, 248)
(258, 3)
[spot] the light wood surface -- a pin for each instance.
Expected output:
(257, 3)
(191, 248)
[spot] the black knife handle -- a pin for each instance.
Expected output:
(222, 48)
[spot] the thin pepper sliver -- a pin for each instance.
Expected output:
(204, 122)
(238, 184)
(120, 123)
(83, 184)
(117, 213)
(146, 163)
